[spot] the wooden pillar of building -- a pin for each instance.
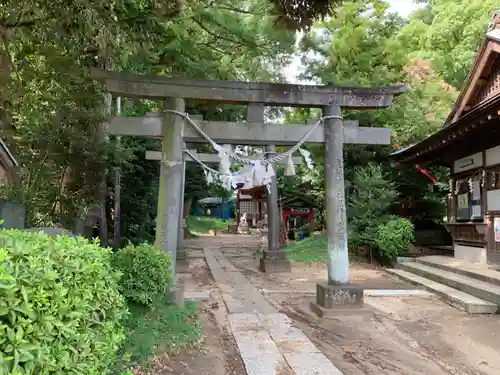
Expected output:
(273, 259)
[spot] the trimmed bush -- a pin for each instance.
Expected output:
(394, 237)
(146, 273)
(60, 307)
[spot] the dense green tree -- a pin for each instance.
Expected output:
(362, 46)
(448, 34)
(51, 111)
(365, 45)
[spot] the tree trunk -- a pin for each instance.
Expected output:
(104, 63)
(8, 131)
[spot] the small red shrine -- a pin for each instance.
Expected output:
(252, 202)
(300, 206)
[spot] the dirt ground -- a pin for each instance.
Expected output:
(414, 335)
(393, 335)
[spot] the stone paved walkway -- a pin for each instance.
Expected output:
(268, 343)
(240, 296)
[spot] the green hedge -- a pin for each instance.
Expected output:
(146, 273)
(394, 237)
(60, 307)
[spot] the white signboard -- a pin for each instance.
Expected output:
(496, 227)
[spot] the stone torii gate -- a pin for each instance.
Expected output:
(334, 133)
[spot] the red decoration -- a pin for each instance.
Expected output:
(427, 174)
(423, 171)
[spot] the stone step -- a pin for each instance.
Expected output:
(454, 297)
(475, 271)
(477, 288)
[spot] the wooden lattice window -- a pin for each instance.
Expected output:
(246, 207)
(492, 86)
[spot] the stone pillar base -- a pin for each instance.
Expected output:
(274, 261)
(332, 298)
(182, 266)
(181, 263)
(181, 254)
(243, 230)
(176, 295)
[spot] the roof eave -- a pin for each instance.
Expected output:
(411, 153)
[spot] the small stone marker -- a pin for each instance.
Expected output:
(177, 295)
(198, 296)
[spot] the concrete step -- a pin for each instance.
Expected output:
(479, 272)
(454, 297)
(477, 288)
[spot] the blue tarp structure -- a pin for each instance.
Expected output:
(218, 208)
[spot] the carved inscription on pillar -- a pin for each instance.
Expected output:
(340, 214)
(172, 206)
(338, 170)
(341, 296)
(172, 203)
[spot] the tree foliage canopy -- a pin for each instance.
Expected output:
(51, 112)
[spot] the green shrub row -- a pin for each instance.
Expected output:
(63, 303)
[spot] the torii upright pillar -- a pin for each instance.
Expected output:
(273, 259)
(337, 292)
(171, 169)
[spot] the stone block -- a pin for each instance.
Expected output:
(243, 229)
(274, 261)
(13, 214)
(177, 295)
(245, 323)
(339, 296)
(308, 363)
(197, 296)
(181, 261)
(274, 255)
(340, 312)
(181, 254)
